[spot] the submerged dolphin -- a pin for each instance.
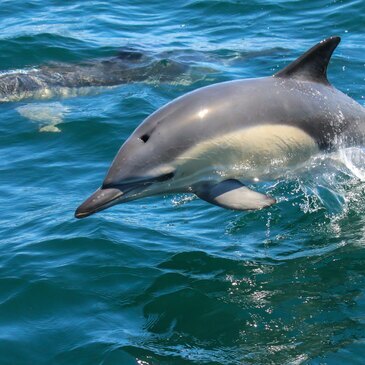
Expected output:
(214, 139)
(67, 79)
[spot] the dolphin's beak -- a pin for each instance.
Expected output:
(106, 197)
(101, 199)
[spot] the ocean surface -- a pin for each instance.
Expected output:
(171, 279)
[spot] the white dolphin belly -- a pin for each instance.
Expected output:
(251, 153)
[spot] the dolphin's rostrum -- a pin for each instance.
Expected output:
(215, 139)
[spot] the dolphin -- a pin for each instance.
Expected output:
(64, 80)
(217, 139)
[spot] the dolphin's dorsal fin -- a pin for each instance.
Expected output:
(312, 65)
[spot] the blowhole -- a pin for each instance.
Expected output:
(144, 138)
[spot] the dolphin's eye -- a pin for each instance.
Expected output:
(144, 138)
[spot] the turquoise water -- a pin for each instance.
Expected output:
(172, 279)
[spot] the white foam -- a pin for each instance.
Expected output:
(354, 159)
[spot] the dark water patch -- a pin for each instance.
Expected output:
(244, 304)
(31, 51)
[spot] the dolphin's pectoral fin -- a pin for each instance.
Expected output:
(232, 194)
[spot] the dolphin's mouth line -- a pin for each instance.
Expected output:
(141, 182)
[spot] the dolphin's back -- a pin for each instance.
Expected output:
(320, 110)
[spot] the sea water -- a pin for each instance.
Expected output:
(172, 279)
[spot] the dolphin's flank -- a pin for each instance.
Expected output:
(214, 140)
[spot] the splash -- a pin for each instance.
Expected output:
(321, 198)
(182, 199)
(354, 160)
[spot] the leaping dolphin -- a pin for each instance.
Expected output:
(213, 140)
